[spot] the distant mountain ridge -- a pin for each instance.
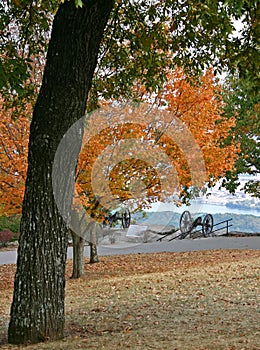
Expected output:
(240, 223)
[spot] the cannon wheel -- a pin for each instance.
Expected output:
(207, 225)
(126, 218)
(185, 222)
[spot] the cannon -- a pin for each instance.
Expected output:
(124, 215)
(188, 224)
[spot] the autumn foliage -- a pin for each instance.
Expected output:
(14, 136)
(149, 156)
(146, 158)
(199, 107)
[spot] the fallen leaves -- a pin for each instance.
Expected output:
(195, 300)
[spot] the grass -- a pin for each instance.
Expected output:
(195, 300)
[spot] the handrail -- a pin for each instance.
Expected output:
(222, 222)
(224, 227)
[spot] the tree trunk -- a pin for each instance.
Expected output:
(94, 228)
(37, 311)
(78, 244)
(78, 256)
(93, 253)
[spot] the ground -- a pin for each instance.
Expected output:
(194, 300)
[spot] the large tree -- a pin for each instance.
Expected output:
(142, 38)
(37, 311)
(196, 105)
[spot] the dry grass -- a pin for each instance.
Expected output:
(196, 300)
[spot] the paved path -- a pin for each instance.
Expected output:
(184, 245)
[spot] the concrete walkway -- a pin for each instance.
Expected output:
(9, 257)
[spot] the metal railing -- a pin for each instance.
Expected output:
(227, 225)
(224, 227)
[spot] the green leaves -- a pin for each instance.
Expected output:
(242, 101)
(13, 72)
(78, 3)
(142, 40)
(135, 48)
(25, 27)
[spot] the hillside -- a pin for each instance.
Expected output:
(241, 223)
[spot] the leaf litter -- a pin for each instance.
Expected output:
(193, 300)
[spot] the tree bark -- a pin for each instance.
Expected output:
(93, 253)
(78, 244)
(94, 227)
(78, 256)
(37, 311)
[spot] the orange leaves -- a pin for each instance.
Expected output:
(199, 107)
(138, 153)
(144, 154)
(134, 178)
(13, 155)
